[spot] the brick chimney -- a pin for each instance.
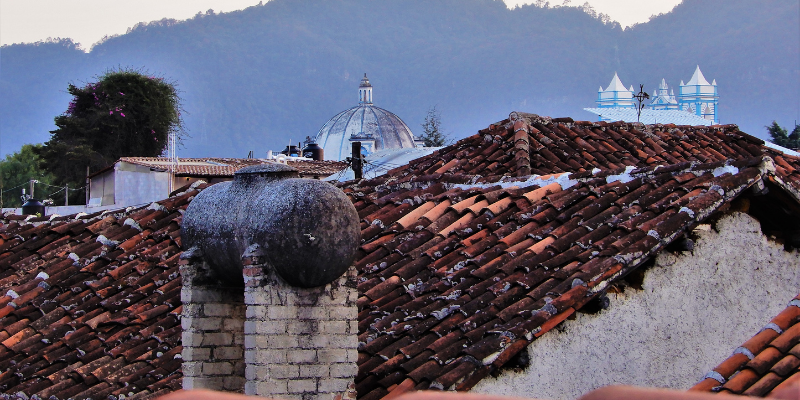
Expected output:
(269, 288)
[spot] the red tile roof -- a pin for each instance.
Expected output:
(465, 257)
(769, 362)
(225, 167)
(90, 305)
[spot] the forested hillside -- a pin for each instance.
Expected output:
(257, 78)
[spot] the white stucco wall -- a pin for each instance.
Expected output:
(695, 309)
(138, 186)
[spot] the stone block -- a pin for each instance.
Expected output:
(342, 313)
(282, 341)
(191, 368)
(195, 354)
(257, 311)
(217, 339)
(218, 310)
(269, 387)
(217, 368)
(256, 296)
(300, 327)
(344, 370)
(191, 339)
(228, 353)
(301, 356)
(333, 385)
(314, 371)
(333, 326)
(283, 312)
(211, 383)
(233, 383)
(192, 309)
(257, 372)
(206, 324)
(233, 324)
(330, 356)
(265, 327)
(352, 355)
(302, 385)
(283, 371)
(267, 356)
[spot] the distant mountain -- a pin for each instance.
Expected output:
(257, 78)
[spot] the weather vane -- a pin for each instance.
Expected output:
(640, 98)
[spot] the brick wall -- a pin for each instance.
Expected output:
(299, 343)
(213, 334)
(269, 338)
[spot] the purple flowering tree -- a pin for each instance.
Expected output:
(126, 113)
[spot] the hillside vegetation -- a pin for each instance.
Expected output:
(257, 78)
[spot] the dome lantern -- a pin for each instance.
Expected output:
(365, 91)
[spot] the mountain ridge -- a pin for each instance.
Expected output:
(258, 78)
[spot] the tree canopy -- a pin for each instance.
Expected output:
(16, 170)
(780, 136)
(125, 113)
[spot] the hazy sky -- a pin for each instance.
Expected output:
(87, 21)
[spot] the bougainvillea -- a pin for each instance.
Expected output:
(125, 113)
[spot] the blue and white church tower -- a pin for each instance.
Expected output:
(615, 95)
(663, 98)
(699, 97)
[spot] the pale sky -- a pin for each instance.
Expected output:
(87, 21)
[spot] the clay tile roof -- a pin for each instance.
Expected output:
(767, 363)
(467, 255)
(225, 167)
(91, 304)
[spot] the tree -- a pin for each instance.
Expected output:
(781, 138)
(124, 113)
(432, 129)
(17, 170)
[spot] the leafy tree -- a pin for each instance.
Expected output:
(124, 113)
(17, 170)
(432, 133)
(782, 138)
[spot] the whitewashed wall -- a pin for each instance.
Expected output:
(695, 309)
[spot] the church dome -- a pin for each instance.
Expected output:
(376, 128)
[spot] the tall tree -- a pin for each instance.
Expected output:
(432, 133)
(780, 136)
(125, 113)
(16, 170)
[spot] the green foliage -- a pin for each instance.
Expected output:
(125, 113)
(432, 129)
(17, 170)
(780, 136)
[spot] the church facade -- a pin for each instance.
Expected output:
(696, 97)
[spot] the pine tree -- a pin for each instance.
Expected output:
(780, 136)
(432, 129)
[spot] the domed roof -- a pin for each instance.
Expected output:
(364, 123)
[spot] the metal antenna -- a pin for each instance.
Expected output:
(173, 159)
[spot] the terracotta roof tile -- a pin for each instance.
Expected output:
(459, 269)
